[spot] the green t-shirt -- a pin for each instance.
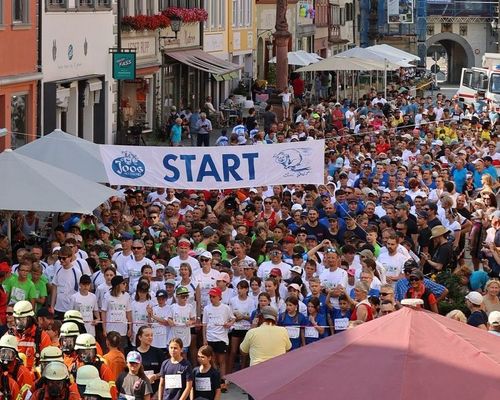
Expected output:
(19, 290)
(40, 290)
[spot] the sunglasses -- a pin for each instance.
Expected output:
(62, 258)
(268, 202)
(385, 294)
(202, 259)
(331, 250)
(414, 279)
(137, 248)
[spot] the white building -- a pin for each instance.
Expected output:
(77, 86)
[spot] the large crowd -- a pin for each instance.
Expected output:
(161, 293)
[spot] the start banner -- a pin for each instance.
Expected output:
(205, 168)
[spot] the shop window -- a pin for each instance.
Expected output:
(19, 119)
(20, 11)
(85, 3)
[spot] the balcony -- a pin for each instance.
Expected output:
(334, 35)
(462, 9)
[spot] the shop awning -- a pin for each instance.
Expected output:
(204, 61)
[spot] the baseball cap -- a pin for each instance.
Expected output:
(475, 298)
(181, 290)
(294, 286)
(269, 312)
(103, 255)
(181, 230)
(126, 236)
(206, 254)
(104, 228)
(170, 282)
(297, 269)
(134, 357)
(311, 237)
(4, 267)
(161, 293)
(215, 292)
(351, 271)
(494, 318)
(208, 231)
(296, 207)
(275, 272)
(224, 276)
(410, 265)
(422, 214)
(289, 239)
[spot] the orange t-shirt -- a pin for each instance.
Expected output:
(116, 362)
(73, 394)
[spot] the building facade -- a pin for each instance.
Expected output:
(19, 72)
(77, 86)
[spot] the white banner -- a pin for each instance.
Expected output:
(400, 11)
(215, 167)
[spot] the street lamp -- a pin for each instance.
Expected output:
(175, 25)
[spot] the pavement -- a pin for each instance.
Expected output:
(234, 393)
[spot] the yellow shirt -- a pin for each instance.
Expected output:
(265, 342)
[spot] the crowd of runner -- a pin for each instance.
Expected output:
(154, 295)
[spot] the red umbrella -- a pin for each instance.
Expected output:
(409, 354)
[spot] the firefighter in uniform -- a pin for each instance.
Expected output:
(31, 339)
(97, 390)
(67, 339)
(14, 367)
(56, 384)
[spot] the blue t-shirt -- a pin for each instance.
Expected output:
(340, 319)
(182, 368)
(322, 302)
(176, 133)
(459, 177)
(310, 332)
(295, 323)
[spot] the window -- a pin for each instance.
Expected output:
(19, 119)
(56, 4)
(213, 14)
(222, 14)
(125, 9)
(236, 13)
(150, 7)
(207, 23)
(138, 7)
(20, 11)
(85, 3)
(103, 3)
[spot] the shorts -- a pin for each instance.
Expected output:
(238, 333)
(218, 347)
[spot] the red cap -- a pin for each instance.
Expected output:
(215, 292)
(289, 239)
(4, 267)
(276, 272)
(181, 230)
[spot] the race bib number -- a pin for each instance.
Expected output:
(293, 331)
(311, 332)
(341, 324)
(203, 384)
(117, 316)
(173, 381)
(17, 294)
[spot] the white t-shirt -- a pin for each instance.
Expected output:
(181, 315)
(392, 264)
(160, 332)
(66, 282)
(266, 267)
(329, 279)
(120, 260)
(86, 305)
(176, 263)
(82, 254)
(97, 279)
(214, 318)
(102, 291)
(206, 282)
(116, 309)
(83, 266)
(133, 272)
(139, 314)
(244, 307)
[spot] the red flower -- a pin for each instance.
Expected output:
(162, 20)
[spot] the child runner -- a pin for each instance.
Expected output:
(181, 317)
(86, 302)
(256, 317)
(317, 322)
(294, 322)
(133, 383)
(176, 374)
(217, 320)
(206, 379)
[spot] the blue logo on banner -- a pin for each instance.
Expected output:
(128, 166)
(293, 161)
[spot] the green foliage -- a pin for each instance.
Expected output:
(271, 75)
(455, 298)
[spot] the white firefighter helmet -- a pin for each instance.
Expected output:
(69, 329)
(56, 371)
(86, 374)
(73, 315)
(23, 309)
(98, 387)
(85, 341)
(8, 341)
(51, 353)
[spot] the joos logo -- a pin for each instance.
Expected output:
(128, 166)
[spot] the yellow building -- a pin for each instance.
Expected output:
(229, 34)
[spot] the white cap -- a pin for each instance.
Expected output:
(206, 254)
(296, 207)
(494, 318)
(475, 298)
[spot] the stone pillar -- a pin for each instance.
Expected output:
(281, 38)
